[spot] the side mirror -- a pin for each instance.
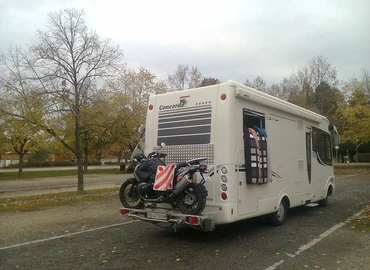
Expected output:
(163, 145)
(336, 139)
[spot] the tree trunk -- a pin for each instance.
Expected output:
(79, 156)
(80, 174)
(20, 167)
(86, 158)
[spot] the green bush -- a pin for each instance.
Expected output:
(362, 157)
(36, 163)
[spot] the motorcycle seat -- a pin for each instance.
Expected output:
(180, 165)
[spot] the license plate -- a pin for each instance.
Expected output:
(206, 177)
(156, 215)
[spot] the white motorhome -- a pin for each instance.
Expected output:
(264, 155)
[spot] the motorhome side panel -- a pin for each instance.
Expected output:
(288, 154)
(285, 147)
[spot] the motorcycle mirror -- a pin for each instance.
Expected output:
(163, 144)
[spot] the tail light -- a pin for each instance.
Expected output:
(223, 179)
(192, 220)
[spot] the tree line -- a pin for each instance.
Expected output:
(72, 91)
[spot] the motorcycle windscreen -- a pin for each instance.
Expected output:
(164, 177)
(139, 149)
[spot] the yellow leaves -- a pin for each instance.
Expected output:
(357, 128)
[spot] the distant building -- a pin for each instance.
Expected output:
(8, 159)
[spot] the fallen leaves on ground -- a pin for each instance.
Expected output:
(362, 221)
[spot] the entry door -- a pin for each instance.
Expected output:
(247, 194)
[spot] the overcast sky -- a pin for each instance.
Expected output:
(228, 39)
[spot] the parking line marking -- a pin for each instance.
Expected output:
(272, 267)
(315, 241)
(67, 235)
(321, 236)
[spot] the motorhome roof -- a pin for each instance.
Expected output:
(264, 98)
(255, 95)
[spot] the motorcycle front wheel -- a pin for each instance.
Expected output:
(129, 195)
(192, 199)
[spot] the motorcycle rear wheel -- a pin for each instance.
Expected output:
(192, 199)
(129, 194)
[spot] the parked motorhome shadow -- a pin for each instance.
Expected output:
(253, 227)
(305, 211)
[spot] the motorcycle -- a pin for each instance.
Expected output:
(155, 182)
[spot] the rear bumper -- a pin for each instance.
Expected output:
(163, 216)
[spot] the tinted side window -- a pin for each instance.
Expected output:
(321, 144)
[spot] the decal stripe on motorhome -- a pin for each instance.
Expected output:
(184, 123)
(163, 116)
(187, 130)
(185, 140)
(176, 118)
(183, 110)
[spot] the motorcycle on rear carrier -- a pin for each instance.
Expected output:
(155, 182)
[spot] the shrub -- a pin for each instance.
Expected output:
(362, 157)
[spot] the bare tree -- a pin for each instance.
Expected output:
(18, 103)
(209, 81)
(258, 83)
(366, 79)
(317, 71)
(66, 65)
(184, 78)
(275, 90)
(132, 88)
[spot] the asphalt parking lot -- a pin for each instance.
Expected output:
(91, 235)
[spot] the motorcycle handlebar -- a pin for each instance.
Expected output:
(154, 154)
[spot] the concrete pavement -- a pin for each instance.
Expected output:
(50, 185)
(58, 168)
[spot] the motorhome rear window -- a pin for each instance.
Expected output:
(185, 126)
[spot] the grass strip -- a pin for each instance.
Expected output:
(37, 202)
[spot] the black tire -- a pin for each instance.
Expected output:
(278, 218)
(129, 195)
(192, 199)
(324, 202)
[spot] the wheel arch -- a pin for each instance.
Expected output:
(330, 187)
(284, 197)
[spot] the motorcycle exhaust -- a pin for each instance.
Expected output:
(181, 185)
